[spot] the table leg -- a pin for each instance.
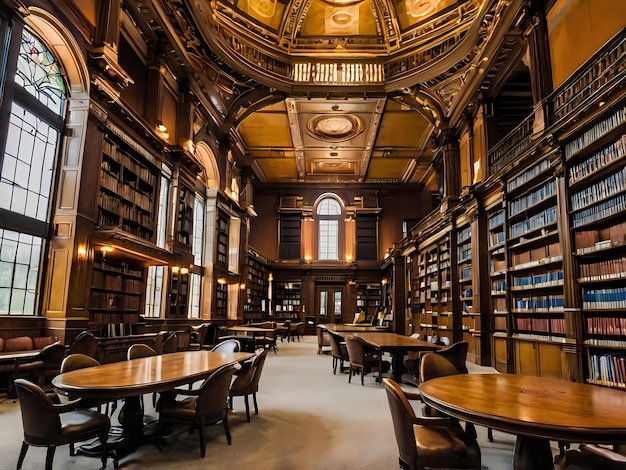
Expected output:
(532, 453)
(396, 366)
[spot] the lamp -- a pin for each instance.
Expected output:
(81, 252)
(221, 280)
(184, 270)
(175, 269)
(161, 127)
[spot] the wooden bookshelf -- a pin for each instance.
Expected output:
(128, 184)
(369, 298)
(596, 172)
(223, 225)
(179, 295)
(117, 294)
(256, 306)
(184, 221)
(287, 298)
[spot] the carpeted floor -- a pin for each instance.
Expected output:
(308, 419)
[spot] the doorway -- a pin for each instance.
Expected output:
(329, 303)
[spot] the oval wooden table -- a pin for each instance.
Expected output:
(131, 379)
(535, 409)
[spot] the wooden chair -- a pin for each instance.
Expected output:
(338, 350)
(268, 340)
(363, 360)
(45, 366)
(82, 361)
(204, 406)
(230, 345)
(49, 425)
(428, 441)
(247, 383)
(323, 340)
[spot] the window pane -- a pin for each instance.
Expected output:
(323, 303)
(328, 239)
(337, 303)
(198, 231)
(328, 206)
(194, 306)
(154, 290)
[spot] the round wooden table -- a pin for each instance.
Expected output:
(535, 409)
(131, 379)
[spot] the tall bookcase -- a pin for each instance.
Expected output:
(256, 305)
(369, 299)
(465, 271)
(116, 298)
(535, 271)
(179, 294)
(596, 172)
(496, 235)
(287, 300)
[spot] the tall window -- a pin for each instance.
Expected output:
(198, 237)
(328, 214)
(27, 173)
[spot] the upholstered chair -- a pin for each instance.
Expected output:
(425, 442)
(362, 359)
(45, 366)
(48, 425)
(247, 383)
(590, 457)
(204, 406)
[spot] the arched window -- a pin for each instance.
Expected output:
(28, 167)
(328, 216)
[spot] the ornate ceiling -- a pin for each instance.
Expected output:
(341, 91)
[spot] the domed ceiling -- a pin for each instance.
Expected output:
(342, 91)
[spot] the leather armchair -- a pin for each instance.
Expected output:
(230, 345)
(247, 383)
(49, 425)
(428, 441)
(46, 365)
(323, 339)
(204, 406)
(362, 359)
(590, 457)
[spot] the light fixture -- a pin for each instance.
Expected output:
(106, 249)
(175, 269)
(161, 127)
(348, 257)
(242, 286)
(221, 280)
(184, 270)
(81, 252)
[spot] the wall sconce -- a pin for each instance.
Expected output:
(384, 282)
(175, 269)
(308, 258)
(348, 257)
(184, 270)
(221, 280)
(242, 286)
(81, 253)
(270, 277)
(161, 127)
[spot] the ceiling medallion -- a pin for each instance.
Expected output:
(418, 8)
(334, 127)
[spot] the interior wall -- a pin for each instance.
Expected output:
(578, 28)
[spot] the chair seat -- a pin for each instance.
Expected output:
(82, 421)
(184, 410)
(432, 442)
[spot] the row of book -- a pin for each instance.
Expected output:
(529, 174)
(466, 273)
(598, 161)
(595, 132)
(548, 303)
(464, 235)
(535, 222)
(609, 186)
(606, 326)
(601, 211)
(605, 298)
(588, 241)
(608, 269)
(539, 280)
(540, 194)
(541, 325)
(607, 369)
(103, 300)
(496, 220)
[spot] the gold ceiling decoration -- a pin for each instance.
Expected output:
(334, 127)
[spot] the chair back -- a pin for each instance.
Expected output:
(183, 340)
(135, 351)
(52, 356)
(85, 343)
(257, 366)
(213, 393)
(77, 361)
(170, 343)
(356, 350)
(335, 345)
(39, 418)
(230, 345)
(434, 365)
(457, 355)
(403, 417)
